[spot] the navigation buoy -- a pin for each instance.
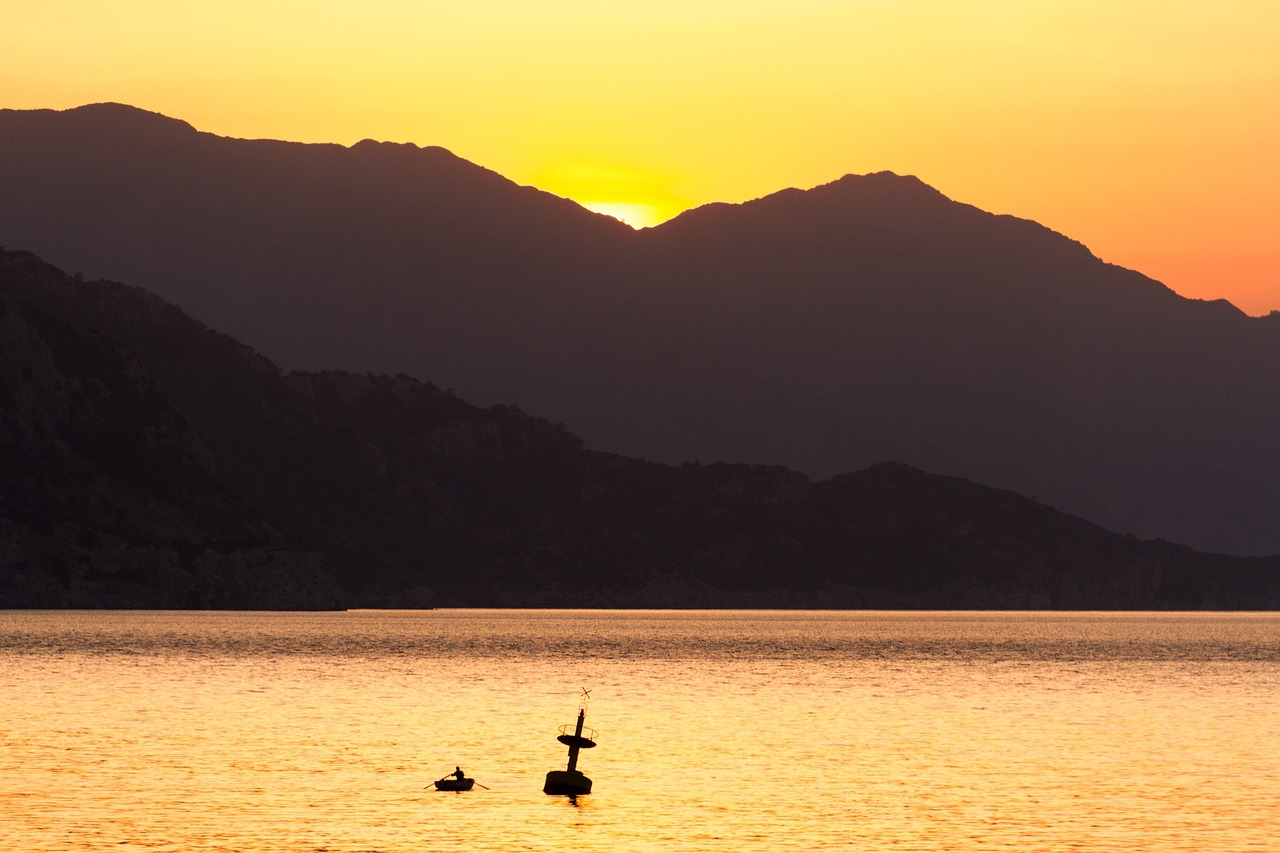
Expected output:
(571, 781)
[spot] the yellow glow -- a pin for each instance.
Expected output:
(1146, 130)
(636, 196)
(635, 215)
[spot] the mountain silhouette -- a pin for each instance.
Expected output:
(825, 330)
(149, 461)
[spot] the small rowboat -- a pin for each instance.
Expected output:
(450, 783)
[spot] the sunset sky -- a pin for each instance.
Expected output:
(1148, 131)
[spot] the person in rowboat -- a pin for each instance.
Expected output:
(457, 773)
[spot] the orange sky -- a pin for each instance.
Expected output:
(1148, 131)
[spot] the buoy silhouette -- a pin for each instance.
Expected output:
(571, 781)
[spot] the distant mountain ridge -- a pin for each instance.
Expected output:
(149, 461)
(868, 319)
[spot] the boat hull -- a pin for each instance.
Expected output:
(569, 782)
(454, 784)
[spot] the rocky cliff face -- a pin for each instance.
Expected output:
(108, 495)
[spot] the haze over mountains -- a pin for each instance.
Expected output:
(866, 320)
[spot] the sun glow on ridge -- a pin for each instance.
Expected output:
(638, 196)
(632, 213)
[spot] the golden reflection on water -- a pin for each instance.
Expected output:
(718, 731)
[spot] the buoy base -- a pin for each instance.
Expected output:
(566, 782)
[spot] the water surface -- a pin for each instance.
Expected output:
(719, 731)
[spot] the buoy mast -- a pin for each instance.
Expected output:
(571, 781)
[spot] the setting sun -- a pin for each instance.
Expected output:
(635, 215)
(634, 195)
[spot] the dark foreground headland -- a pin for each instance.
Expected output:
(149, 461)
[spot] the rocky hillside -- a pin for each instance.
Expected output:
(108, 496)
(149, 461)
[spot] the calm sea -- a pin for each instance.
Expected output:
(718, 731)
